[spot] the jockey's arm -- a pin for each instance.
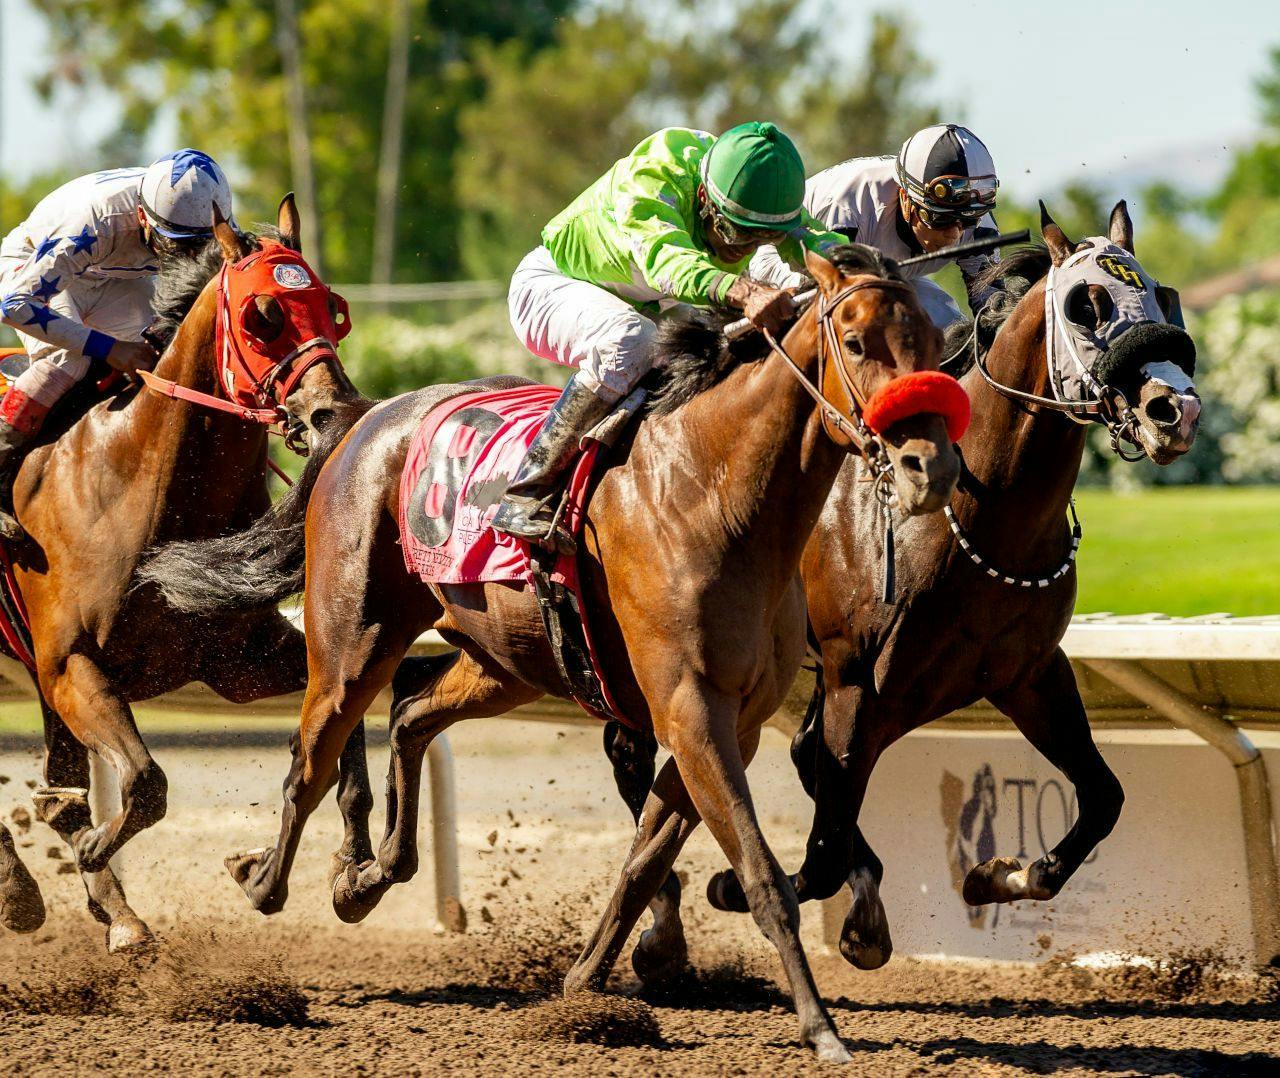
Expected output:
(662, 244)
(57, 263)
(783, 266)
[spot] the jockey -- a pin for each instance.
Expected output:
(673, 223)
(939, 191)
(76, 281)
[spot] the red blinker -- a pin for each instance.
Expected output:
(919, 393)
(255, 371)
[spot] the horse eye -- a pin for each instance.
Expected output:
(853, 343)
(265, 318)
(1079, 309)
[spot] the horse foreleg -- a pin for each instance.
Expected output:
(333, 707)
(63, 804)
(661, 954)
(102, 721)
(1051, 715)
(272, 661)
(429, 694)
(701, 728)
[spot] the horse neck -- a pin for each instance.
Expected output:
(1024, 461)
(775, 466)
(189, 442)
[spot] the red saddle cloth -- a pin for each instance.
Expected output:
(459, 465)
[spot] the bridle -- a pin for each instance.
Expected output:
(840, 427)
(852, 428)
(257, 376)
(1107, 406)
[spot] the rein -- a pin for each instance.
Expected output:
(853, 426)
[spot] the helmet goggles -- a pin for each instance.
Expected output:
(945, 201)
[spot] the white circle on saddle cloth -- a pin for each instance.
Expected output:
(291, 275)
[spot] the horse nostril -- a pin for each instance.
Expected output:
(911, 462)
(1162, 412)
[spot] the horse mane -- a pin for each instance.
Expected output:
(181, 280)
(691, 354)
(1012, 278)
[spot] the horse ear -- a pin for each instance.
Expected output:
(289, 223)
(822, 271)
(1060, 248)
(233, 247)
(1121, 229)
(1171, 305)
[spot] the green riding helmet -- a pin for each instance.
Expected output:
(755, 177)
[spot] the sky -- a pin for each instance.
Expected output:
(1114, 92)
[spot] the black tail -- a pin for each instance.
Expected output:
(255, 569)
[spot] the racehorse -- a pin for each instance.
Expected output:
(987, 590)
(688, 560)
(139, 469)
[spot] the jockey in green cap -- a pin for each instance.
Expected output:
(675, 222)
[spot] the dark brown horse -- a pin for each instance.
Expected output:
(690, 555)
(137, 470)
(982, 617)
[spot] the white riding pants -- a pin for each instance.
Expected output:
(580, 325)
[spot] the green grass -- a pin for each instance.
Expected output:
(1180, 551)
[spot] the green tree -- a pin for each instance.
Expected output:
(216, 64)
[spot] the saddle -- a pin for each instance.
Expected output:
(460, 462)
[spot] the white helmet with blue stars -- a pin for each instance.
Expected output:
(179, 192)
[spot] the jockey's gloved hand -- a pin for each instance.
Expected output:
(132, 356)
(765, 307)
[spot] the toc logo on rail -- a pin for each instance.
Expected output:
(991, 816)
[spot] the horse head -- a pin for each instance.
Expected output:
(278, 328)
(1116, 334)
(878, 363)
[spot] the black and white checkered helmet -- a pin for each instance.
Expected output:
(947, 169)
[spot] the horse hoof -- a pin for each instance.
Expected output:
(350, 902)
(829, 1048)
(21, 907)
(989, 881)
(247, 869)
(657, 965)
(129, 937)
(725, 893)
(864, 940)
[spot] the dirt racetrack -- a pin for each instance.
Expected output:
(542, 834)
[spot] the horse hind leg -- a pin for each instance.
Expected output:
(429, 694)
(662, 953)
(1051, 715)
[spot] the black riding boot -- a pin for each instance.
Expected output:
(12, 444)
(528, 507)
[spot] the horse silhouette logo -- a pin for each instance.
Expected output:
(969, 820)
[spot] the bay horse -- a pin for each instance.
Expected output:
(986, 591)
(139, 469)
(689, 557)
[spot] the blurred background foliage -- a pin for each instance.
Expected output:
(513, 106)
